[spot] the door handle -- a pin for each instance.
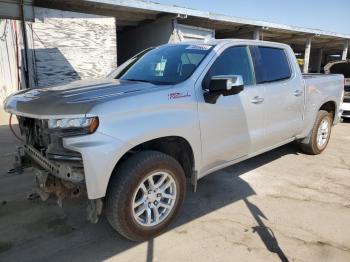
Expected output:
(257, 100)
(298, 93)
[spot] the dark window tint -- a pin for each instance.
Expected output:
(271, 64)
(233, 61)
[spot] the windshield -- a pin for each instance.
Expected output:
(168, 64)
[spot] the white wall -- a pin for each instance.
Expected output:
(188, 33)
(10, 47)
(71, 46)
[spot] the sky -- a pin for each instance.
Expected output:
(328, 15)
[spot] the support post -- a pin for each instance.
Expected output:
(25, 43)
(319, 60)
(345, 50)
(257, 33)
(307, 55)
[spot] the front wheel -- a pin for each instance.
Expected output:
(145, 195)
(320, 134)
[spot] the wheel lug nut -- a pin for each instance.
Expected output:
(149, 204)
(159, 195)
(156, 202)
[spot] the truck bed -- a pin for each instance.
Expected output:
(313, 75)
(321, 87)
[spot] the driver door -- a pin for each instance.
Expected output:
(232, 127)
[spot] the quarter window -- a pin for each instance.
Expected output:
(270, 64)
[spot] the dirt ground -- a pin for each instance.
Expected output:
(280, 206)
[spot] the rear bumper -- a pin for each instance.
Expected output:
(346, 110)
(346, 114)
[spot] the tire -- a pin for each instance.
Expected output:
(313, 147)
(124, 189)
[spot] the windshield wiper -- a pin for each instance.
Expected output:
(149, 81)
(137, 80)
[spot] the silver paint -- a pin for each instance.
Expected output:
(221, 134)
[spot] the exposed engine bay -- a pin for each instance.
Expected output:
(59, 172)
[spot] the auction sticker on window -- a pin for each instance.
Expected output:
(199, 47)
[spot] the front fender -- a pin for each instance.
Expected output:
(120, 131)
(100, 153)
(140, 119)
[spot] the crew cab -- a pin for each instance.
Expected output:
(170, 115)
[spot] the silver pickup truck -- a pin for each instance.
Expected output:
(171, 114)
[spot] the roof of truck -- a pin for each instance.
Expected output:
(213, 41)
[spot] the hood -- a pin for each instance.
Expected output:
(74, 99)
(338, 67)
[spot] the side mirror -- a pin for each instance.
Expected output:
(225, 85)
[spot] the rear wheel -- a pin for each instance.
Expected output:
(145, 195)
(320, 134)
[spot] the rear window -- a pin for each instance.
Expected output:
(270, 64)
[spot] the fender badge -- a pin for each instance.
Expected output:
(177, 95)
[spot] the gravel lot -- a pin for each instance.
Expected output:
(283, 205)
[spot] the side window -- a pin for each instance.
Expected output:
(270, 64)
(233, 61)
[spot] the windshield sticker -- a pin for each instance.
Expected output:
(199, 47)
(177, 95)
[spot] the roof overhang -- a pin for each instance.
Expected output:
(136, 9)
(133, 12)
(12, 9)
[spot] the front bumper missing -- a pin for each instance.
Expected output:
(52, 178)
(63, 170)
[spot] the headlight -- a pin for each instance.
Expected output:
(89, 124)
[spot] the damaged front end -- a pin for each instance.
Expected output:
(58, 171)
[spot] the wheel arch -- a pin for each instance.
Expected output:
(175, 146)
(329, 106)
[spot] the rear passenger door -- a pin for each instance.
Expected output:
(284, 98)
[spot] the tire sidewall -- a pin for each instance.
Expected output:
(322, 115)
(136, 176)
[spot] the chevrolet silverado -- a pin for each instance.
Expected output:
(169, 115)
